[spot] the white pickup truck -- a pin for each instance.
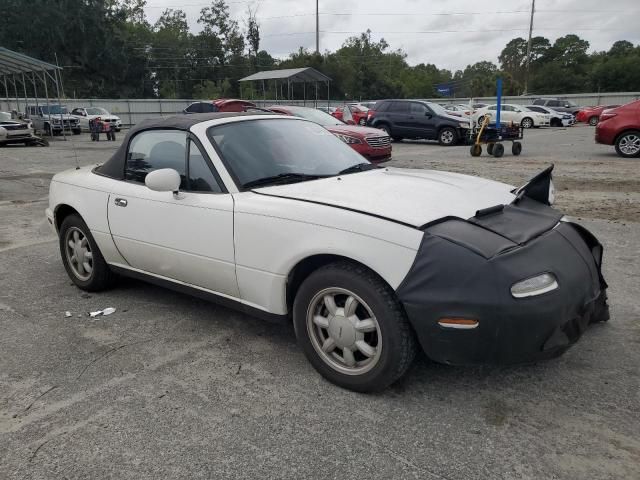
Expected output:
(52, 119)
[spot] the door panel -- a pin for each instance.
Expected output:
(188, 239)
(422, 121)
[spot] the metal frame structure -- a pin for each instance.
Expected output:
(291, 76)
(17, 68)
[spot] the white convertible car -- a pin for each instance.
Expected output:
(280, 218)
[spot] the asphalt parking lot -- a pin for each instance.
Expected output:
(172, 387)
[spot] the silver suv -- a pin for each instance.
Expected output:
(566, 106)
(52, 119)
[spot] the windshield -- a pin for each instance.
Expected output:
(437, 109)
(314, 115)
(4, 116)
(54, 110)
(96, 111)
(256, 149)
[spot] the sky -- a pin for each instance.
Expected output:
(450, 34)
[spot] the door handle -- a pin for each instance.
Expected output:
(121, 202)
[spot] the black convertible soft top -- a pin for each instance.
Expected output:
(114, 167)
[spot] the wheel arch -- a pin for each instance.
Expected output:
(624, 132)
(61, 212)
(305, 267)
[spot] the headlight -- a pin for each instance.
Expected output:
(349, 140)
(463, 125)
(552, 193)
(543, 283)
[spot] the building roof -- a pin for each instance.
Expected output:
(296, 75)
(14, 62)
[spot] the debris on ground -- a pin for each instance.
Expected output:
(67, 314)
(106, 311)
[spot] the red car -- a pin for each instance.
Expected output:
(371, 143)
(352, 114)
(591, 115)
(621, 127)
(220, 105)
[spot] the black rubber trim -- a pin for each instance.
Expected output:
(196, 292)
(381, 217)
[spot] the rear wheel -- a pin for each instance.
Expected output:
(527, 122)
(352, 328)
(447, 136)
(476, 150)
(593, 121)
(516, 148)
(490, 148)
(628, 144)
(498, 150)
(81, 256)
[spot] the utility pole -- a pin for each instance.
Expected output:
(526, 77)
(317, 28)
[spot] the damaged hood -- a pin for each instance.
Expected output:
(411, 196)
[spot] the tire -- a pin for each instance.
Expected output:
(516, 148)
(556, 122)
(447, 137)
(99, 276)
(593, 121)
(628, 144)
(498, 150)
(387, 337)
(476, 150)
(362, 121)
(47, 130)
(527, 122)
(77, 132)
(480, 120)
(490, 148)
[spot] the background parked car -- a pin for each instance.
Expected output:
(558, 119)
(621, 127)
(52, 119)
(85, 114)
(220, 105)
(566, 106)
(517, 114)
(15, 131)
(417, 119)
(371, 143)
(591, 115)
(328, 110)
(352, 114)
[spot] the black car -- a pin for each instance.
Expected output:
(417, 119)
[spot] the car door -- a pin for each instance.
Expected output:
(509, 113)
(185, 236)
(398, 115)
(422, 120)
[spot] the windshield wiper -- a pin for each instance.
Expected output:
(282, 177)
(358, 167)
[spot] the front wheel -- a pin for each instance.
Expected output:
(447, 137)
(516, 148)
(593, 121)
(628, 144)
(81, 256)
(352, 328)
(527, 122)
(476, 150)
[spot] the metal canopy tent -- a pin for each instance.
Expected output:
(16, 68)
(291, 76)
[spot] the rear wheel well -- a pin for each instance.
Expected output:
(307, 266)
(62, 212)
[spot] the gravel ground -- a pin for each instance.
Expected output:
(173, 387)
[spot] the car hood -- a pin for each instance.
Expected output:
(410, 196)
(355, 130)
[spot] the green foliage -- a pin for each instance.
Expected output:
(108, 49)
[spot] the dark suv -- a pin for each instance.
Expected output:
(566, 106)
(417, 119)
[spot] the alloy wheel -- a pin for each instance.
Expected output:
(79, 255)
(527, 123)
(629, 144)
(344, 331)
(447, 137)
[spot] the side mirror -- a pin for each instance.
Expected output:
(163, 180)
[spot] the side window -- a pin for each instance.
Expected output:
(207, 108)
(156, 149)
(509, 108)
(538, 102)
(554, 103)
(493, 107)
(418, 109)
(201, 179)
(194, 108)
(399, 107)
(383, 107)
(536, 109)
